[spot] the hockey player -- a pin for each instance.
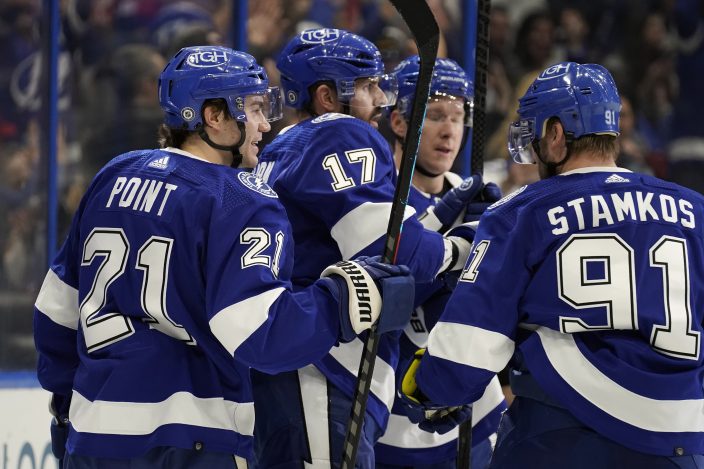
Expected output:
(587, 281)
(174, 280)
(447, 118)
(335, 175)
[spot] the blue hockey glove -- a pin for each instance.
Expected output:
(58, 407)
(429, 417)
(360, 285)
(490, 193)
(448, 209)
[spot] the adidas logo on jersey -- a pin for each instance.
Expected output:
(161, 163)
(616, 178)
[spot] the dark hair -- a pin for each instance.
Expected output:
(309, 107)
(175, 137)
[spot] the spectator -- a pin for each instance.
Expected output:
(633, 150)
(133, 70)
(533, 45)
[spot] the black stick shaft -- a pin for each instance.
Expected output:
(422, 24)
(464, 443)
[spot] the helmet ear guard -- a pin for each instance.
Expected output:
(583, 97)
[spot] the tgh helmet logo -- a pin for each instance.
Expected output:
(554, 71)
(207, 58)
(320, 36)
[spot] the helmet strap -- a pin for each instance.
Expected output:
(464, 141)
(552, 167)
(425, 172)
(309, 109)
(234, 149)
(346, 108)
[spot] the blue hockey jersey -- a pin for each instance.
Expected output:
(173, 281)
(336, 178)
(591, 281)
(404, 443)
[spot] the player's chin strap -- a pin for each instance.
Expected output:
(234, 149)
(552, 167)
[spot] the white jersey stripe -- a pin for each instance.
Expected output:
(492, 397)
(234, 324)
(314, 395)
(143, 418)
(402, 433)
(362, 226)
(58, 301)
(686, 415)
(470, 345)
(383, 379)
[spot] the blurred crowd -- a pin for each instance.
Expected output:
(112, 51)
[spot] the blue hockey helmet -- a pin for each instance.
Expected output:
(583, 97)
(326, 54)
(449, 80)
(196, 74)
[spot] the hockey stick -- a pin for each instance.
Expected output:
(464, 441)
(424, 28)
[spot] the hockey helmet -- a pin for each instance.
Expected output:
(584, 98)
(449, 80)
(326, 54)
(196, 74)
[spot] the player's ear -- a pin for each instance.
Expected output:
(326, 97)
(556, 136)
(398, 124)
(213, 116)
(555, 131)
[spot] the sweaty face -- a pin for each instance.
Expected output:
(367, 100)
(255, 126)
(442, 134)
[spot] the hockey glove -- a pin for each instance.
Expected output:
(58, 407)
(441, 217)
(429, 416)
(490, 193)
(359, 287)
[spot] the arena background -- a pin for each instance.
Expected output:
(78, 87)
